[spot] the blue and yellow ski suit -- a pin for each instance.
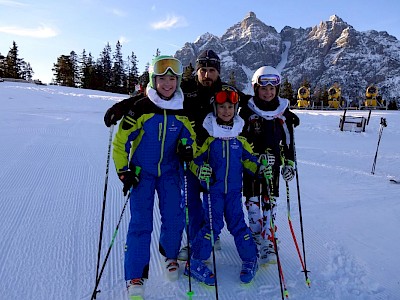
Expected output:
(149, 138)
(228, 154)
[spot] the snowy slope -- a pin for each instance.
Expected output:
(52, 170)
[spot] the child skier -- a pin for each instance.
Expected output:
(269, 127)
(220, 161)
(150, 139)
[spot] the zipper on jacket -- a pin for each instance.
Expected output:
(164, 132)
(227, 165)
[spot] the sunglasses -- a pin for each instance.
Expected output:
(226, 96)
(271, 79)
(162, 66)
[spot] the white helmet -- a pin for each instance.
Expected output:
(266, 75)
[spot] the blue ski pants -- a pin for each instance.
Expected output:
(169, 188)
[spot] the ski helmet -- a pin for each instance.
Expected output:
(165, 64)
(264, 76)
(227, 93)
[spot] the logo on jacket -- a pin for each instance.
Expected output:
(172, 127)
(255, 124)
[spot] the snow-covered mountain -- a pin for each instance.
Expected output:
(332, 51)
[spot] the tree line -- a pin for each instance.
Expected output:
(109, 72)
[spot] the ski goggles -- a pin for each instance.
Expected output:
(226, 96)
(272, 79)
(208, 60)
(162, 66)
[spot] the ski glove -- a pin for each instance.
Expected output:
(185, 152)
(295, 119)
(268, 157)
(288, 170)
(115, 113)
(129, 179)
(204, 173)
(265, 171)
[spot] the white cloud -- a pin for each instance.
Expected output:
(170, 22)
(39, 32)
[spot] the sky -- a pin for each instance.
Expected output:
(53, 162)
(45, 29)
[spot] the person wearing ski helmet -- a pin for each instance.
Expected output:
(148, 151)
(269, 127)
(221, 176)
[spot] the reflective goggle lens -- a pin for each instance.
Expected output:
(162, 66)
(224, 96)
(271, 79)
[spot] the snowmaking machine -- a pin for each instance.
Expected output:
(303, 97)
(335, 100)
(372, 99)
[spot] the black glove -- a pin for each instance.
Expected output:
(114, 114)
(295, 120)
(185, 152)
(129, 179)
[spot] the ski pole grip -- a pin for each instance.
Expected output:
(264, 162)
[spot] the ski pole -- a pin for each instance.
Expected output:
(95, 291)
(282, 283)
(190, 292)
(300, 212)
(308, 282)
(104, 202)
(382, 125)
(212, 236)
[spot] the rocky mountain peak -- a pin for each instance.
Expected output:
(330, 51)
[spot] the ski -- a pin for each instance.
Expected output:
(395, 181)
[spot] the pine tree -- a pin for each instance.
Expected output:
(232, 79)
(74, 61)
(89, 78)
(104, 68)
(144, 78)
(12, 64)
(82, 74)
(2, 65)
(305, 83)
(119, 77)
(26, 72)
(133, 72)
(321, 95)
(64, 72)
(287, 92)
